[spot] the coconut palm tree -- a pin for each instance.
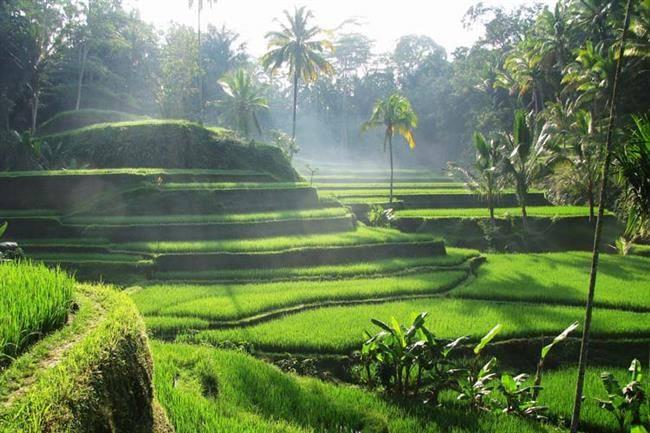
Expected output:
(484, 178)
(297, 45)
(577, 159)
(396, 114)
(242, 102)
(633, 166)
(523, 152)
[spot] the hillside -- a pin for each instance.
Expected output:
(162, 144)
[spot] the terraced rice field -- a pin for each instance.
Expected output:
(303, 279)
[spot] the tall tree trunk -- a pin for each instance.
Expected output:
(35, 104)
(83, 55)
(390, 150)
(584, 347)
(295, 102)
(4, 110)
(591, 204)
(200, 62)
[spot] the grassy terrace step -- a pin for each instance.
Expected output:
(255, 397)
(437, 199)
(229, 302)
(454, 257)
(182, 227)
(340, 329)
(533, 211)
(302, 256)
(186, 199)
(371, 186)
(65, 189)
(623, 282)
(66, 381)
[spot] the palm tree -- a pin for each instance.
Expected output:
(296, 44)
(199, 8)
(633, 166)
(577, 161)
(523, 156)
(483, 178)
(397, 116)
(242, 102)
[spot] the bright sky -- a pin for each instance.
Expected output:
(385, 21)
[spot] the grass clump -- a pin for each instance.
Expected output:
(561, 278)
(340, 329)
(35, 300)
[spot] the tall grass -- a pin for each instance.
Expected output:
(34, 300)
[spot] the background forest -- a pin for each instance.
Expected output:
(556, 62)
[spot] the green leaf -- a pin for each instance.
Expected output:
(3, 228)
(486, 340)
(563, 335)
(382, 325)
(635, 371)
(638, 429)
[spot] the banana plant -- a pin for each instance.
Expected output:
(545, 351)
(474, 383)
(626, 402)
(519, 396)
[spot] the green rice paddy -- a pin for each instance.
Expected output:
(35, 300)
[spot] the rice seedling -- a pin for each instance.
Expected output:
(35, 300)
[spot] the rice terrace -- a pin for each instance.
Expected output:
(324, 216)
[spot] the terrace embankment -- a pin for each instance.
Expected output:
(93, 374)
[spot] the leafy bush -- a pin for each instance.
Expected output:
(380, 217)
(405, 360)
(626, 402)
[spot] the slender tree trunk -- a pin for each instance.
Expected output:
(390, 151)
(4, 110)
(200, 62)
(491, 209)
(82, 60)
(591, 204)
(584, 347)
(295, 103)
(35, 104)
